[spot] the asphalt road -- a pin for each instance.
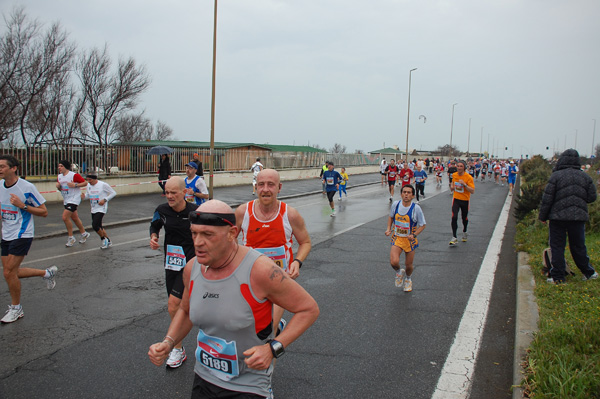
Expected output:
(89, 336)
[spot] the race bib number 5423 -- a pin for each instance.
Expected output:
(175, 258)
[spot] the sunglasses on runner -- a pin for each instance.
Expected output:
(212, 219)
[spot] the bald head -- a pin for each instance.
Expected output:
(175, 183)
(270, 174)
(215, 206)
(268, 185)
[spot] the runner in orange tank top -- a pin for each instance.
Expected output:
(269, 226)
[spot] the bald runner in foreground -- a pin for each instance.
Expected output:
(229, 295)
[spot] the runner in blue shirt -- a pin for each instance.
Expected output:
(513, 171)
(420, 177)
(331, 180)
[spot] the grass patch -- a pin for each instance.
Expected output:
(564, 358)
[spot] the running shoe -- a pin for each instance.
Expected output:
(592, 277)
(105, 244)
(391, 199)
(70, 241)
(453, 241)
(12, 314)
(51, 279)
(281, 326)
(339, 199)
(176, 358)
(84, 237)
(407, 285)
(332, 213)
(465, 236)
(400, 278)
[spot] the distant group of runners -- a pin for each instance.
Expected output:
(407, 221)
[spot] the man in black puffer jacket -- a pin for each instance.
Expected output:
(564, 204)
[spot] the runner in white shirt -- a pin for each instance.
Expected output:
(255, 168)
(69, 184)
(382, 168)
(503, 173)
(19, 201)
(99, 193)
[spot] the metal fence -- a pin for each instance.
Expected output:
(43, 162)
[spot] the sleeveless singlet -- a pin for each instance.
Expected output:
(231, 320)
(272, 237)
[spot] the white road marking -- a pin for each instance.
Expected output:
(456, 377)
(348, 229)
(84, 251)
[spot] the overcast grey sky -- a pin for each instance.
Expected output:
(326, 71)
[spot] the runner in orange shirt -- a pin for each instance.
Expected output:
(462, 187)
(268, 226)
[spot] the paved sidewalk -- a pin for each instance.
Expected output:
(126, 209)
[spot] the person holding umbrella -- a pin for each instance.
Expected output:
(164, 172)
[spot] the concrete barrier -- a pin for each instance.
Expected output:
(144, 184)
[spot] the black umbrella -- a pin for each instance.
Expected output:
(160, 150)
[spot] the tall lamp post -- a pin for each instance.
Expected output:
(469, 140)
(452, 127)
(594, 138)
(212, 108)
(408, 113)
(481, 142)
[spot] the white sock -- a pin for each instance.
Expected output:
(47, 274)
(18, 307)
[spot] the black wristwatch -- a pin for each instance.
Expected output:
(277, 348)
(299, 262)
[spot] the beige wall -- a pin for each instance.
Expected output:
(142, 184)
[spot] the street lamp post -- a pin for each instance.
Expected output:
(212, 108)
(469, 140)
(452, 127)
(408, 113)
(481, 142)
(594, 138)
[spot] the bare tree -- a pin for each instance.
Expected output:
(109, 96)
(359, 152)
(133, 127)
(338, 149)
(14, 47)
(163, 131)
(49, 60)
(448, 150)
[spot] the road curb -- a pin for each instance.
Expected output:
(527, 317)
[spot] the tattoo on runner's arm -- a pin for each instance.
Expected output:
(277, 273)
